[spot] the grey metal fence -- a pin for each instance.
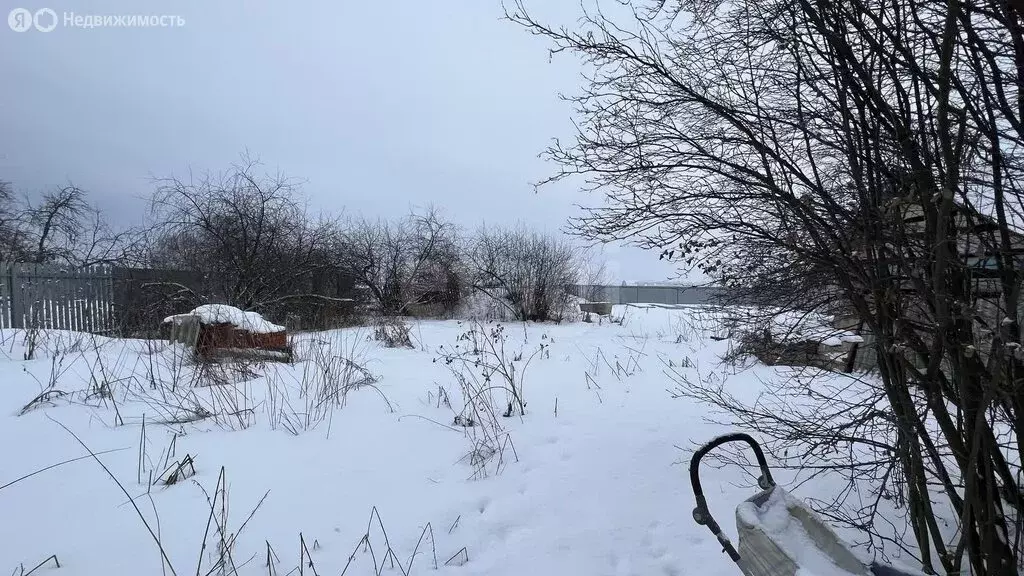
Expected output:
(669, 295)
(56, 297)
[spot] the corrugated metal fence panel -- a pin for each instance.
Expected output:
(56, 297)
(653, 294)
(668, 295)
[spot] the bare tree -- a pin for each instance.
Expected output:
(411, 260)
(62, 227)
(54, 222)
(863, 152)
(12, 241)
(526, 271)
(247, 235)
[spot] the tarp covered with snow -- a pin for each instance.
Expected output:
(224, 314)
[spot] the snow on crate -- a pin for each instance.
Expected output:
(224, 314)
(219, 329)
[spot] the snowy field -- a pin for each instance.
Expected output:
(358, 459)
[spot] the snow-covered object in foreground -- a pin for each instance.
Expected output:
(780, 536)
(224, 314)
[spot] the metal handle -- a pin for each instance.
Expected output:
(701, 514)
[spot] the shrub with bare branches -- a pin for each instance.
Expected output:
(526, 271)
(411, 261)
(247, 236)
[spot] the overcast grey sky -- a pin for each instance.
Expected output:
(378, 107)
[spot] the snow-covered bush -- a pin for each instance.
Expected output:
(483, 307)
(527, 272)
(392, 332)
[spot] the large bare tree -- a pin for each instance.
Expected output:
(247, 234)
(59, 227)
(867, 152)
(406, 261)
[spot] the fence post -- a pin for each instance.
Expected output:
(5, 298)
(17, 306)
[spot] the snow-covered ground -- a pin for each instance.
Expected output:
(338, 469)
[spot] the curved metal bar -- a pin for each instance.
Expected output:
(701, 514)
(766, 473)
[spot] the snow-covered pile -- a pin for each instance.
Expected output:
(224, 314)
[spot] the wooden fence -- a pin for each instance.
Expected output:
(133, 301)
(56, 297)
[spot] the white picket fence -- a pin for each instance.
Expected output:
(56, 297)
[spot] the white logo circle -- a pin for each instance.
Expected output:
(45, 19)
(20, 19)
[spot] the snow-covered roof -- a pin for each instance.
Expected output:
(224, 314)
